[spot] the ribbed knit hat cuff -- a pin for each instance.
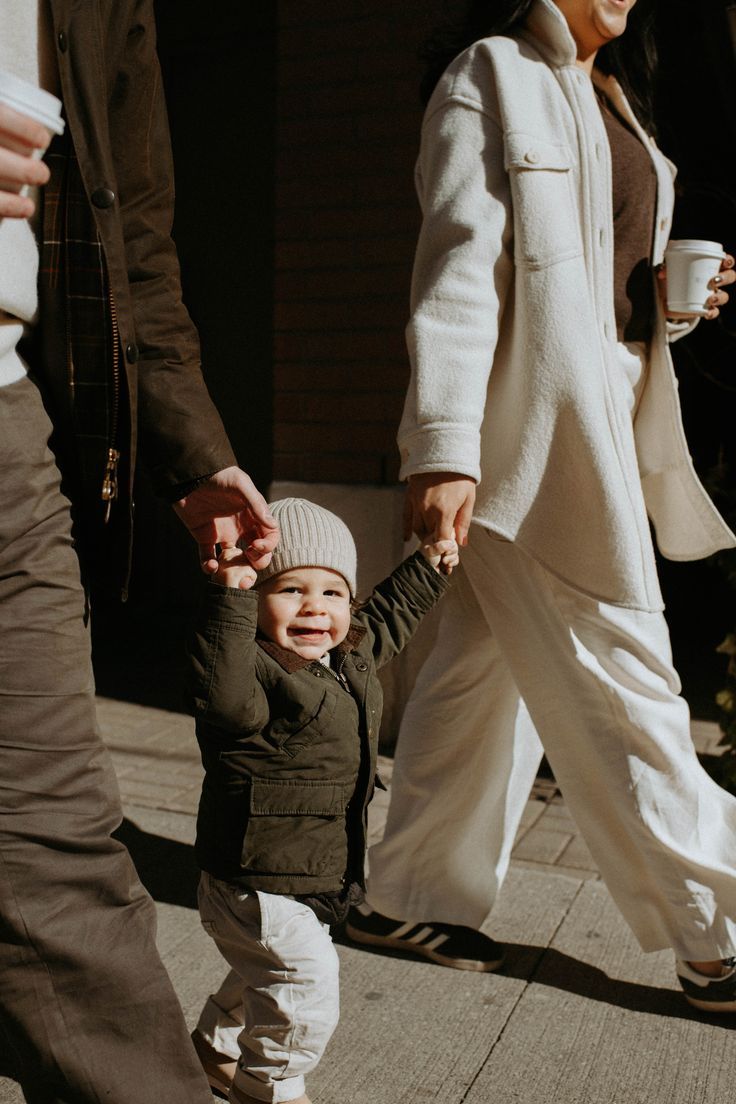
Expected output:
(311, 537)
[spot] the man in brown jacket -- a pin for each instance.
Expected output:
(108, 362)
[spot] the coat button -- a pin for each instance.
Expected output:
(318, 674)
(531, 156)
(131, 353)
(360, 666)
(103, 197)
(62, 41)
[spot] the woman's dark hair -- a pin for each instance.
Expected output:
(632, 58)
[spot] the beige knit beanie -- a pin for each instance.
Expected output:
(311, 537)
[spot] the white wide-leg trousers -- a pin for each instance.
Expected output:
(524, 661)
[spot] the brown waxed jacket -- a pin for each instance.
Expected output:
(116, 116)
(289, 748)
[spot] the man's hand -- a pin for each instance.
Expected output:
(228, 510)
(19, 137)
(439, 505)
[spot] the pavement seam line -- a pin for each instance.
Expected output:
(529, 981)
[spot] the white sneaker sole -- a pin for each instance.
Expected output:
(711, 1006)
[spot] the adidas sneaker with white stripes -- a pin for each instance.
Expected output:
(447, 944)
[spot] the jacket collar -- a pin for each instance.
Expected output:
(546, 29)
(292, 662)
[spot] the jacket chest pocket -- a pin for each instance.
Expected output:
(296, 827)
(299, 723)
(546, 223)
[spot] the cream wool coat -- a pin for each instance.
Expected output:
(512, 337)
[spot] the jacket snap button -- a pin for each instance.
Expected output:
(103, 197)
(131, 353)
(361, 666)
(532, 157)
(318, 674)
(63, 43)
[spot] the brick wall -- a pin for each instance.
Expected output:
(346, 219)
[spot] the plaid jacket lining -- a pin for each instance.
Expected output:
(71, 252)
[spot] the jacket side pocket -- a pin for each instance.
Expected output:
(293, 827)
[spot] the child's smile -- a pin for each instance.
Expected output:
(305, 610)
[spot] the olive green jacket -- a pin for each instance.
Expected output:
(289, 750)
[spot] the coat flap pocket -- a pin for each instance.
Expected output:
(525, 151)
(280, 797)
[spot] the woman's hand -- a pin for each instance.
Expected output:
(718, 299)
(439, 505)
(234, 570)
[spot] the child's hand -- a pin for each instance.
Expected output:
(234, 570)
(442, 555)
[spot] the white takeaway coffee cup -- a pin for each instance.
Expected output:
(34, 103)
(691, 265)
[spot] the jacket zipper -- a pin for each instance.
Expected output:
(110, 478)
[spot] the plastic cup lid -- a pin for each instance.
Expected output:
(34, 102)
(691, 245)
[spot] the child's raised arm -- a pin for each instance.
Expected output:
(399, 603)
(222, 682)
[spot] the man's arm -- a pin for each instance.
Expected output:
(182, 440)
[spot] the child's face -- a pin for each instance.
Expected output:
(305, 610)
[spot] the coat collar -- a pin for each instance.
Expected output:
(547, 30)
(292, 662)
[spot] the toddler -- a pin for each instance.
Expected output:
(288, 707)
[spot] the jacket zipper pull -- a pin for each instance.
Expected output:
(110, 481)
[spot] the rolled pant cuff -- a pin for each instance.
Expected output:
(220, 1029)
(276, 1092)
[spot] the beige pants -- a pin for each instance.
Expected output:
(279, 1005)
(87, 1011)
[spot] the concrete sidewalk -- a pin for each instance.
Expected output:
(578, 1015)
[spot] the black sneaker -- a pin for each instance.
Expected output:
(707, 993)
(448, 944)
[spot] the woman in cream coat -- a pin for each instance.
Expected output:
(526, 410)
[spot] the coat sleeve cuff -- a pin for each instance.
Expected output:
(237, 608)
(449, 449)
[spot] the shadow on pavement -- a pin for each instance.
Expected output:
(166, 867)
(546, 966)
(8, 1066)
